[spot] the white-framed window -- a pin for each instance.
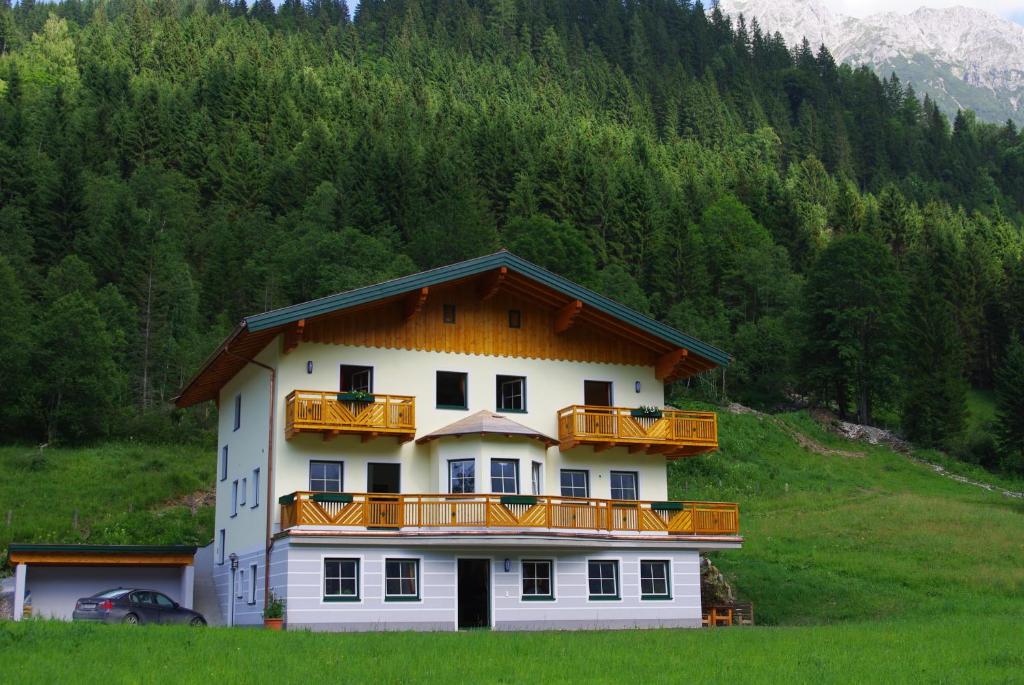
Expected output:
(243, 489)
(505, 476)
(224, 462)
(356, 378)
(511, 393)
(536, 476)
(654, 579)
(538, 582)
(222, 540)
(624, 485)
(253, 569)
(401, 580)
(238, 411)
(341, 580)
(575, 483)
(240, 584)
(603, 578)
(461, 476)
(326, 476)
(255, 488)
(234, 498)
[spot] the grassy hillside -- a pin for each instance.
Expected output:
(115, 493)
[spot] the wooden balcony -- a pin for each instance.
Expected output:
(361, 511)
(672, 433)
(313, 411)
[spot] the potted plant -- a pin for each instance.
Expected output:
(273, 614)
(643, 412)
(355, 396)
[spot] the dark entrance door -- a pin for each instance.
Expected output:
(384, 512)
(474, 593)
(597, 393)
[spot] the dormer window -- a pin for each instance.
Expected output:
(515, 318)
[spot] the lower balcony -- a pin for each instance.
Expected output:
(362, 510)
(332, 413)
(660, 431)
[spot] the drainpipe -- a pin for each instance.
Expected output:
(270, 472)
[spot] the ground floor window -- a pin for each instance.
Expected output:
(603, 578)
(654, 580)
(252, 583)
(341, 580)
(401, 579)
(537, 581)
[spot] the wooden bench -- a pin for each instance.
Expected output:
(728, 615)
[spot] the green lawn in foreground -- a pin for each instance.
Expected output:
(979, 649)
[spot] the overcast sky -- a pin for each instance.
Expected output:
(1010, 9)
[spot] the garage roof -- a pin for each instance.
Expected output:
(101, 555)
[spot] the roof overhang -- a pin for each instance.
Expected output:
(681, 355)
(487, 423)
(101, 555)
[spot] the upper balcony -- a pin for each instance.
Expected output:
(334, 413)
(664, 431)
(358, 511)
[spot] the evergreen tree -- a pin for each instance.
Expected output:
(1010, 407)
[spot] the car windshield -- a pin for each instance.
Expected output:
(110, 594)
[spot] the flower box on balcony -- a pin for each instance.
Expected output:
(286, 499)
(518, 499)
(332, 497)
(646, 413)
(355, 396)
(667, 506)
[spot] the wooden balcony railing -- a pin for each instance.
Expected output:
(670, 432)
(363, 510)
(322, 412)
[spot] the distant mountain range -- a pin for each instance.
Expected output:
(962, 57)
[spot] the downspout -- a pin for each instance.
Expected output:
(270, 473)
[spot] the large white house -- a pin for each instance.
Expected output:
(478, 445)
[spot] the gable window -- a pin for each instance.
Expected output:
(238, 411)
(515, 318)
(654, 580)
(325, 476)
(536, 469)
(451, 390)
(624, 485)
(222, 539)
(575, 483)
(603, 579)
(234, 498)
(255, 488)
(341, 580)
(252, 583)
(511, 393)
(242, 490)
(449, 313)
(462, 476)
(356, 378)
(224, 462)
(401, 579)
(537, 579)
(505, 476)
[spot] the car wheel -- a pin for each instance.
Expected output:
(131, 619)
(197, 622)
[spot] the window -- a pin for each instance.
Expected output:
(511, 393)
(252, 583)
(624, 485)
(240, 585)
(597, 393)
(654, 580)
(234, 498)
(575, 483)
(604, 579)
(536, 469)
(451, 390)
(243, 489)
(505, 476)
(222, 539)
(537, 580)
(238, 411)
(515, 318)
(449, 313)
(401, 579)
(461, 476)
(325, 476)
(356, 378)
(255, 488)
(163, 601)
(224, 462)
(341, 580)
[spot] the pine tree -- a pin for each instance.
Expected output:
(1010, 407)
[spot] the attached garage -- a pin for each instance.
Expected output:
(49, 578)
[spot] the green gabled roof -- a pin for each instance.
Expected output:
(472, 267)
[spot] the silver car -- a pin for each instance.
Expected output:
(134, 606)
